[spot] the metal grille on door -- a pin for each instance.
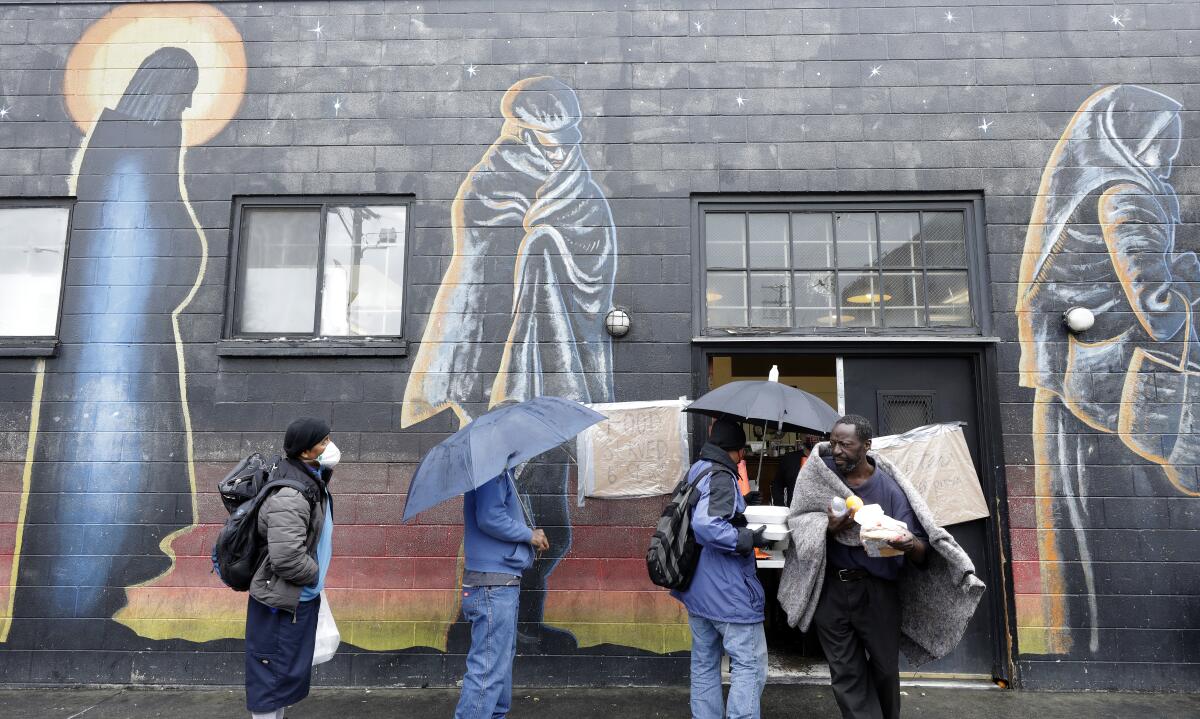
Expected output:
(902, 411)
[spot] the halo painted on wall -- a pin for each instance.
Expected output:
(102, 63)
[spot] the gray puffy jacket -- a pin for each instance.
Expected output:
(291, 527)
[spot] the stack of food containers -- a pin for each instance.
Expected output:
(775, 519)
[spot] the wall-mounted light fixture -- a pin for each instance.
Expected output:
(1078, 319)
(616, 322)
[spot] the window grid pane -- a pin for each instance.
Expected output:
(814, 305)
(900, 239)
(856, 240)
(770, 299)
(725, 296)
(281, 251)
(881, 268)
(725, 240)
(33, 241)
(812, 240)
(363, 290)
(768, 241)
(904, 299)
(859, 298)
(945, 239)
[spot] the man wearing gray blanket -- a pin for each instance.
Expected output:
(866, 609)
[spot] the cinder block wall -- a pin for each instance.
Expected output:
(675, 98)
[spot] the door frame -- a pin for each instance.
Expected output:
(982, 355)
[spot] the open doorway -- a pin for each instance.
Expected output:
(895, 391)
(792, 653)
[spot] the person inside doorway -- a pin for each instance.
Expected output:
(790, 465)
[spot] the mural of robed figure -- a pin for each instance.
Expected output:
(110, 476)
(520, 310)
(1102, 237)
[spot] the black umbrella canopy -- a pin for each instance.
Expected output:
(764, 401)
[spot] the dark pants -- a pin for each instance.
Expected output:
(858, 623)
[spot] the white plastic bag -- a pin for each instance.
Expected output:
(328, 637)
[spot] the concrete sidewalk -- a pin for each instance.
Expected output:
(801, 701)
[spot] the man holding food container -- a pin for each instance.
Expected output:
(870, 567)
(858, 614)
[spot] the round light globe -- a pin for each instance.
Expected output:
(617, 322)
(1079, 319)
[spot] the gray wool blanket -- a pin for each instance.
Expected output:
(937, 601)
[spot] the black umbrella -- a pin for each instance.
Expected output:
(770, 403)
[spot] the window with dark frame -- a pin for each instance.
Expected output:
(797, 269)
(33, 253)
(328, 268)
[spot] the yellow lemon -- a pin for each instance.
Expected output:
(853, 503)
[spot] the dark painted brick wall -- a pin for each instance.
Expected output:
(677, 98)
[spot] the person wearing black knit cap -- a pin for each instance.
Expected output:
(285, 595)
(724, 600)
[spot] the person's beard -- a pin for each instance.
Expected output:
(848, 467)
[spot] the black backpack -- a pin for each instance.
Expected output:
(245, 480)
(239, 548)
(673, 553)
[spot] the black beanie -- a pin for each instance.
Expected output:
(304, 434)
(727, 434)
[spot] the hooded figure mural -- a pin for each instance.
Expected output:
(1102, 237)
(520, 311)
(113, 450)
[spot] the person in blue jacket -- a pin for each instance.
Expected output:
(498, 545)
(724, 599)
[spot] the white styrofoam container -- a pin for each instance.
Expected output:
(764, 514)
(774, 532)
(774, 562)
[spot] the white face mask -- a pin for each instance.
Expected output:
(330, 457)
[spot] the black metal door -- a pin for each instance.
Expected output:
(899, 393)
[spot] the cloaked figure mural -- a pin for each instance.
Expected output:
(113, 449)
(111, 481)
(520, 311)
(1102, 237)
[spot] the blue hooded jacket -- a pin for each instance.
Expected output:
(496, 537)
(725, 587)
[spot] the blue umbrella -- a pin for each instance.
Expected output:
(492, 444)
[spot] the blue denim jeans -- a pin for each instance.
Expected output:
(487, 685)
(746, 645)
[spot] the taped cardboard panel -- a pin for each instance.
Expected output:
(936, 458)
(641, 450)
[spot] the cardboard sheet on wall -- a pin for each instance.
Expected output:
(641, 450)
(937, 461)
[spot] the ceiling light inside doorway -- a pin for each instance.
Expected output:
(868, 299)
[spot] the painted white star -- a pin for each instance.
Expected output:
(337, 106)
(471, 70)
(740, 100)
(4, 112)
(950, 16)
(875, 70)
(1117, 20)
(699, 25)
(986, 124)
(317, 30)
